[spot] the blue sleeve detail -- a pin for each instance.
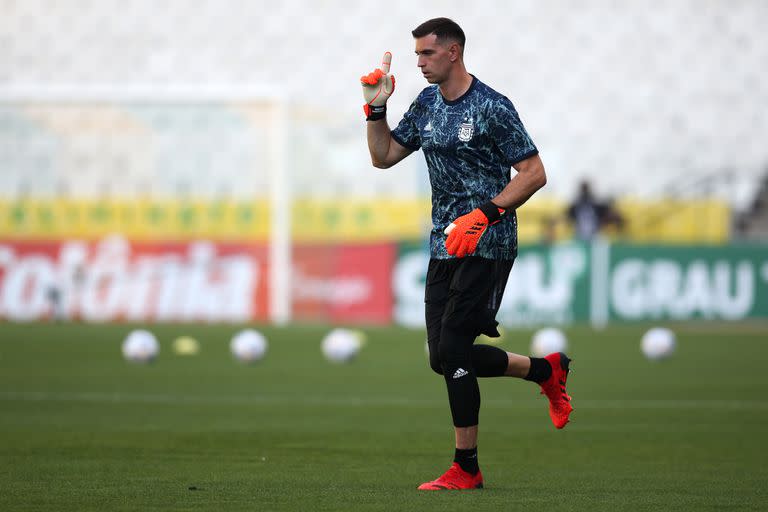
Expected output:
(526, 156)
(508, 132)
(405, 144)
(407, 132)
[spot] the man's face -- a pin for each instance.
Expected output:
(434, 58)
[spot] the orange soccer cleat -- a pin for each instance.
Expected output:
(554, 387)
(454, 479)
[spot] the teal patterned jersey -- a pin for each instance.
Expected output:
(470, 145)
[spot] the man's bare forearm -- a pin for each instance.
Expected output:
(530, 177)
(379, 140)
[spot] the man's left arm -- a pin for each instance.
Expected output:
(530, 177)
(465, 232)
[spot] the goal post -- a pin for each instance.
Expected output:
(123, 143)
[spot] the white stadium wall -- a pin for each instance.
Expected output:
(641, 97)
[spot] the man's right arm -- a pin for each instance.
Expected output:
(385, 151)
(378, 86)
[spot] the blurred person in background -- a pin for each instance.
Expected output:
(53, 294)
(588, 216)
(472, 137)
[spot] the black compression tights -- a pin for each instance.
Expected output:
(461, 362)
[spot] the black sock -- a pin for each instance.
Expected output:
(540, 370)
(467, 459)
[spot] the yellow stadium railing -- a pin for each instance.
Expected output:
(343, 219)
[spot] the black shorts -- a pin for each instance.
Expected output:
(465, 294)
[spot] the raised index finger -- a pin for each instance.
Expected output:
(385, 62)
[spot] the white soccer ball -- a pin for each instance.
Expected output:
(658, 343)
(548, 340)
(341, 345)
(248, 346)
(140, 346)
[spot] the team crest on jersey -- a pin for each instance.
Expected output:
(466, 130)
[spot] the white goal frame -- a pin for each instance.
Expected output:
(280, 256)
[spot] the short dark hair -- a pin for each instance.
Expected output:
(443, 28)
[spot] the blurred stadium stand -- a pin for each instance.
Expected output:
(662, 107)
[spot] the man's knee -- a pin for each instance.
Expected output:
(453, 354)
(434, 360)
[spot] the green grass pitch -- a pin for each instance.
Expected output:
(81, 429)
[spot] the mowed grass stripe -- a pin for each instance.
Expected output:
(363, 401)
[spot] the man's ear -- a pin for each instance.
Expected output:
(455, 51)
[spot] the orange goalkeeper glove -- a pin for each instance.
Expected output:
(378, 86)
(465, 232)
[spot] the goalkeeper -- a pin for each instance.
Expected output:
(471, 136)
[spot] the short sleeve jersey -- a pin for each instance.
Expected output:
(470, 145)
